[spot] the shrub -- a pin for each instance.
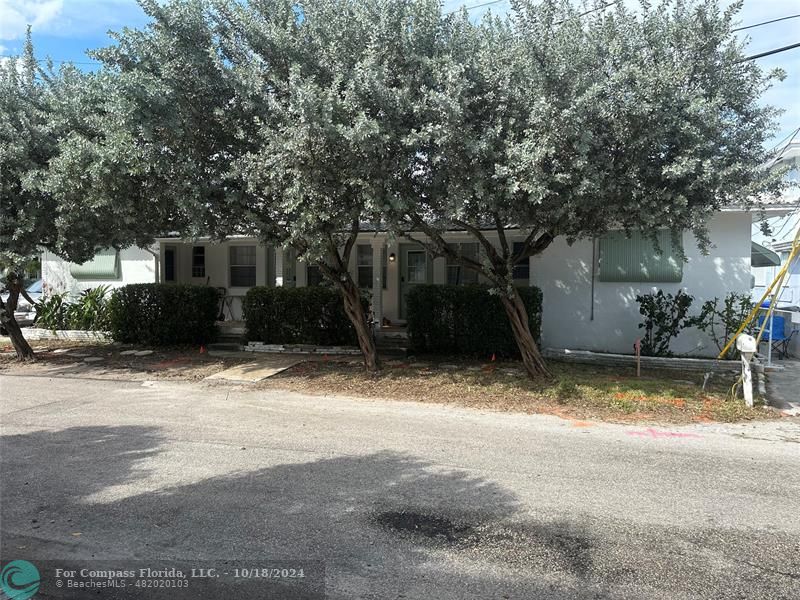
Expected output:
(164, 314)
(51, 312)
(466, 320)
(665, 316)
(89, 312)
(721, 322)
(306, 315)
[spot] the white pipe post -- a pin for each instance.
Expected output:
(747, 380)
(746, 345)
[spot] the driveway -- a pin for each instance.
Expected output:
(389, 500)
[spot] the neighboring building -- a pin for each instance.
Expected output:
(589, 288)
(108, 267)
(783, 220)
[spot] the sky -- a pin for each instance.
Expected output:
(65, 29)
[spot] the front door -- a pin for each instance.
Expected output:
(415, 269)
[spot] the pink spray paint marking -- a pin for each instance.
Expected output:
(654, 433)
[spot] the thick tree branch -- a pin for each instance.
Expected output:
(351, 240)
(533, 247)
(498, 225)
(491, 251)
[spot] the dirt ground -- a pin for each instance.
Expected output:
(110, 361)
(576, 392)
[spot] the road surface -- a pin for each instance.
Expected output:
(376, 499)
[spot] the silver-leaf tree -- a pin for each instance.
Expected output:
(283, 120)
(561, 122)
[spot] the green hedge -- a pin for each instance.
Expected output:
(466, 320)
(164, 314)
(306, 315)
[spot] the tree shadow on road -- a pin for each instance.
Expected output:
(334, 510)
(382, 525)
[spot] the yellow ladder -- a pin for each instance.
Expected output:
(774, 289)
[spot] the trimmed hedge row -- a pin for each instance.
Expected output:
(306, 315)
(164, 314)
(466, 320)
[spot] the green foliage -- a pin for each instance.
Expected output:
(163, 314)
(566, 390)
(297, 121)
(670, 131)
(466, 320)
(51, 312)
(665, 316)
(66, 183)
(309, 315)
(721, 322)
(90, 312)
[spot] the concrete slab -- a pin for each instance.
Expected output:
(256, 370)
(783, 386)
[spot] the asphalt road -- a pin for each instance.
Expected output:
(389, 500)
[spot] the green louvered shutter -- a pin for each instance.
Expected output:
(635, 259)
(104, 265)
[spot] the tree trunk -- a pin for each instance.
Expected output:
(21, 345)
(357, 316)
(518, 317)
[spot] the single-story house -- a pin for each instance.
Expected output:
(108, 267)
(589, 288)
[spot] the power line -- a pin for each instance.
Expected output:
(768, 53)
(605, 6)
(789, 137)
(44, 60)
(765, 23)
(468, 8)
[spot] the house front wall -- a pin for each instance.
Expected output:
(579, 311)
(136, 265)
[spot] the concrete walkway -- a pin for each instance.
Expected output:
(258, 369)
(783, 387)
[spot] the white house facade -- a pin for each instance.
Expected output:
(589, 288)
(110, 267)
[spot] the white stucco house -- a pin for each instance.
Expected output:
(109, 267)
(589, 288)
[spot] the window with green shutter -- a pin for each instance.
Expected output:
(635, 258)
(104, 265)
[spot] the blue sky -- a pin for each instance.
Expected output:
(65, 29)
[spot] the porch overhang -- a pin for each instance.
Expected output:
(763, 257)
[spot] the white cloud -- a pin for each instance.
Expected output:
(16, 15)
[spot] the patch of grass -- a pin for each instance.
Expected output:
(575, 391)
(566, 390)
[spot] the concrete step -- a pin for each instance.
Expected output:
(392, 335)
(393, 352)
(224, 346)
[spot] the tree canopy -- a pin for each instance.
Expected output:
(298, 122)
(60, 188)
(560, 122)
